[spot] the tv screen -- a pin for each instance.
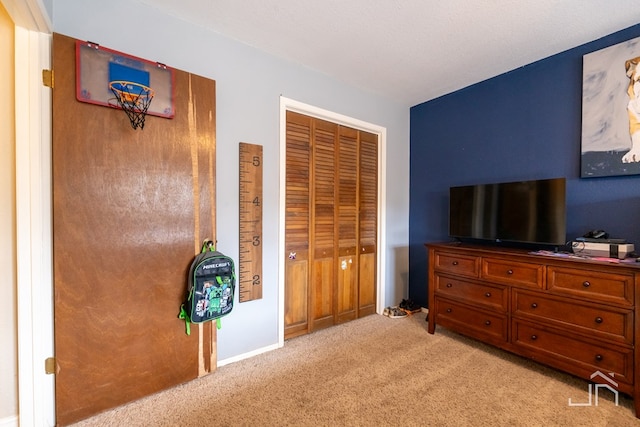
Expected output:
(522, 212)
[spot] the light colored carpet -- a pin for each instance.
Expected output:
(377, 371)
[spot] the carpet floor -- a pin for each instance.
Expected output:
(377, 371)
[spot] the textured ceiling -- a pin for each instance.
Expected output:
(410, 51)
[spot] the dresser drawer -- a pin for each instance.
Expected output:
(458, 264)
(594, 285)
(566, 351)
(492, 297)
(513, 273)
(589, 319)
(487, 326)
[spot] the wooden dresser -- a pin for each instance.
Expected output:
(575, 315)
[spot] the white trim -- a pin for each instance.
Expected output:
(246, 355)
(33, 228)
(29, 14)
(287, 104)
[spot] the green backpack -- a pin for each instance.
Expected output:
(211, 287)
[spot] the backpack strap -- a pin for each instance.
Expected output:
(208, 245)
(183, 315)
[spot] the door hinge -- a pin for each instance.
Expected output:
(50, 366)
(47, 78)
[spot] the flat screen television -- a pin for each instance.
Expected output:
(524, 212)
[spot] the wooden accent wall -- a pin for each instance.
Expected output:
(130, 210)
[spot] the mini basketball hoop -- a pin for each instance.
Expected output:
(134, 99)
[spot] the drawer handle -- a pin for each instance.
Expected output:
(599, 357)
(449, 310)
(599, 320)
(488, 295)
(487, 322)
(586, 284)
(455, 263)
(534, 337)
(449, 285)
(509, 271)
(534, 305)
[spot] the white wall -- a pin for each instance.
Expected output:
(249, 84)
(8, 325)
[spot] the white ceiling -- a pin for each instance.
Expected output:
(409, 50)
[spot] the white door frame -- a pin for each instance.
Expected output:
(36, 390)
(287, 104)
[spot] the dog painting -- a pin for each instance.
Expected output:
(611, 111)
(633, 109)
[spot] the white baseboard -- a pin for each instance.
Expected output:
(244, 356)
(9, 421)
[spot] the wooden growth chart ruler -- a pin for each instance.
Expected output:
(250, 262)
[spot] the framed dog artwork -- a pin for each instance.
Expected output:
(611, 111)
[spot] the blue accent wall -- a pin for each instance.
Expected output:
(521, 125)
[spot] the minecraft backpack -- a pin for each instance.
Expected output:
(210, 287)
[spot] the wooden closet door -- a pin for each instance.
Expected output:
(368, 223)
(347, 292)
(330, 225)
(297, 223)
(323, 273)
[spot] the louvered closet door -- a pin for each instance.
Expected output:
(323, 224)
(330, 225)
(347, 292)
(297, 224)
(368, 223)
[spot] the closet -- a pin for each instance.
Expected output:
(330, 225)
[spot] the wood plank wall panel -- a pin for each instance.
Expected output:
(130, 208)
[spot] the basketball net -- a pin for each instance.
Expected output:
(134, 99)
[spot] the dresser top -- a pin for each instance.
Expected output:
(539, 256)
